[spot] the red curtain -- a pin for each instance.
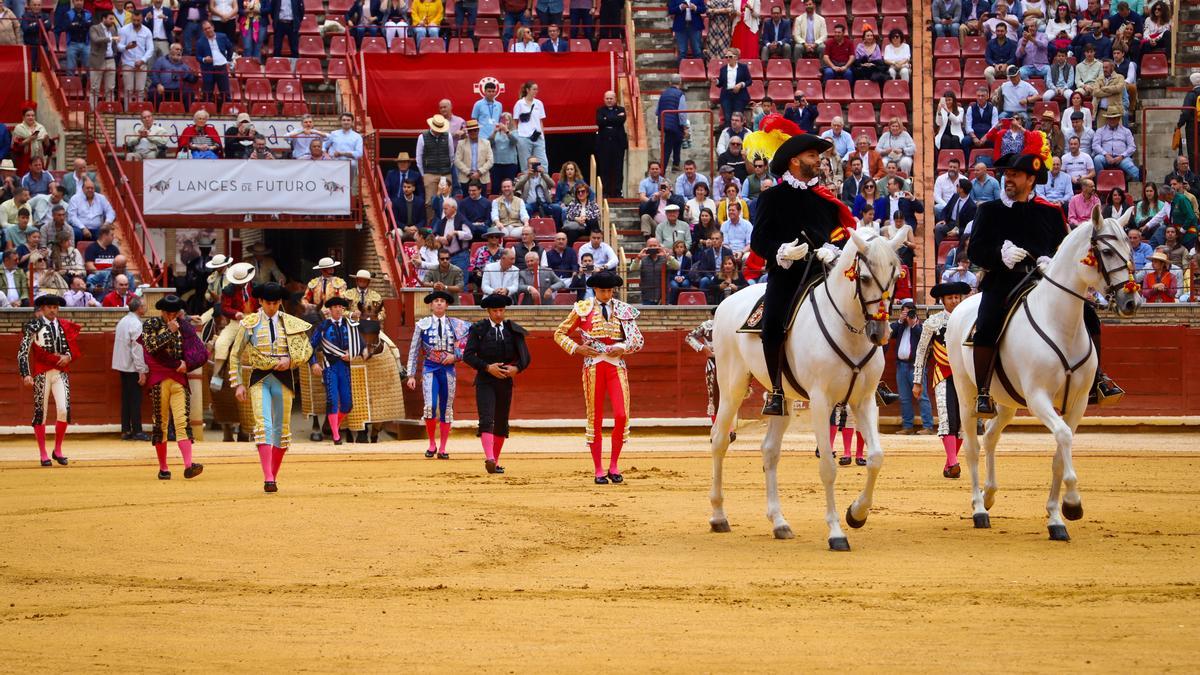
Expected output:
(14, 82)
(403, 91)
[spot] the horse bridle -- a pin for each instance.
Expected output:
(864, 304)
(1096, 259)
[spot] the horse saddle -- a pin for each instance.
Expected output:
(753, 322)
(1015, 299)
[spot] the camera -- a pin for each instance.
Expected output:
(652, 251)
(912, 314)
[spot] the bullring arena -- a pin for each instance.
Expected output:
(407, 336)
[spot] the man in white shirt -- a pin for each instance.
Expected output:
(137, 50)
(150, 140)
(961, 272)
(502, 276)
(736, 230)
(160, 22)
(602, 254)
(1076, 164)
(89, 211)
(946, 185)
(1018, 94)
(129, 360)
(843, 142)
(345, 143)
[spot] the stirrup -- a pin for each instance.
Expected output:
(885, 396)
(1105, 392)
(985, 407)
(774, 403)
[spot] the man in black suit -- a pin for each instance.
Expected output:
(852, 185)
(708, 263)
(286, 16)
(906, 334)
(409, 208)
(959, 211)
(555, 43)
(898, 205)
(733, 79)
(611, 143)
(496, 350)
(775, 37)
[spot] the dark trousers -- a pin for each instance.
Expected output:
(290, 30)
(218, 80)
(493, 399)
(131, 404)
(464, 18)
(781, 288)
(610, 164)
(672, 147)
(610, 18)
(581, 23)
(992, 308)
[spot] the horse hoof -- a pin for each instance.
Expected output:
(839, 544)
(989, 500)
(784, 532)
(719, 526)
(852, 521)
(1059, 533)
(1072, 511)
(982, 521)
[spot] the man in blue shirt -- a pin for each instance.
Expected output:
(78, 22)
(1058, 188)
(984, 188)
(487, 111)
(1139, 250)
(1001, 53)
(477, 209)
(843, 142)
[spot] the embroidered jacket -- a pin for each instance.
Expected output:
(365, 301)
(42, 343)
(933, 343)
(619, 331)
(438, 339)
(701, 336)
(253, 346)
(323, 288)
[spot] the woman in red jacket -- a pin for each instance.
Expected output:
(1159, 285)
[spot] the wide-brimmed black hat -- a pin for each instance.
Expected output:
(169, 303)
(794, 146)
(49, 299)
(270, 292)
(439, 295)
(1030, 164)
(337, 301)
(604, 280)
(495, 301)
(950, 288)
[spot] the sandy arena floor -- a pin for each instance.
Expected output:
(394, 563)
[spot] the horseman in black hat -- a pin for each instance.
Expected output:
(1010, 236)
(799, 227)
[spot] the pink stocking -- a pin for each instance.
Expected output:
(488, 440)
(958, 446)
(431, 430)
(60, 432)
(39, 432)
(276, 459)
(847, 435)
(335, 420)
(861, 442)
(267, 461)
(499, 445)
(597, 448)
(160, 449)
(444, 427)
(185, 449)
(950, 443)
(832, 435)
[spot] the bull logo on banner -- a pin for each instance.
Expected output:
(478, 86)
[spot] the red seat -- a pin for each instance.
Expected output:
(338, 69)
(768, 5)
(714, 94)
(206, 106)
(490, 46)
(1109, 179)
(972, 68)
(246, 68)
(466, 299)
(373, 45)
(137, 107)
(171, 108)
(838, 90)
(289, 90)
(896, 90)
(235, 89)
(431, 45)
(264, 108)
(580, 45)
(811, 89)
(542, 227)
(487, 28)
(893, 22)
(944, 249)
(692, 298)
(946, 47)
(755, 67)
(338, 46)
(827, 111)
(940, 87)
(868, 131)
(294, 108)
(277, 67)
(757, 90)
(109, 107)
(308, 25)
(898, 8)
(969, 87)
(232, 108)
(461, 46)
(780, 90)
(976, 154)
(944, 157)
(947, 69)
(860, 113)
(830, 8)
(489, 8)
(832, 22)
(808, 69)
(312, 46)
(779, 69)
(340, 7)
(864, 9)
(258, 89)
(867, 90)
(1154, 66)
(691, 70)
(892, 109)
(309, 70)
(405, 46)
(714, 68)
(616, 45)
(563, 298)
(973, 45)
(1042, 106)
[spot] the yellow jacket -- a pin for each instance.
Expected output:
(427, 13)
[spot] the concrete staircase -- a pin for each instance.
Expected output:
(1167, 92)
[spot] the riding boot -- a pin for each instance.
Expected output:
(773, 351)
(885, 396)
(985, 407)
(1104, 391)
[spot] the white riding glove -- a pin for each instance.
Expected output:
(828, 253)
(1012, 254)
(791, 252)
(1043, 262)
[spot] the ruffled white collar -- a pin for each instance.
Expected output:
(797, 183)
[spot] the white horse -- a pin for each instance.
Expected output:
(1048, 357)
(833, 351)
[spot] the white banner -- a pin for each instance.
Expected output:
(236, 186)
(275, 130)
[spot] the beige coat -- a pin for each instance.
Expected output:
(99, 36)
(462, 161)
(10, 28)
(800, 29)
